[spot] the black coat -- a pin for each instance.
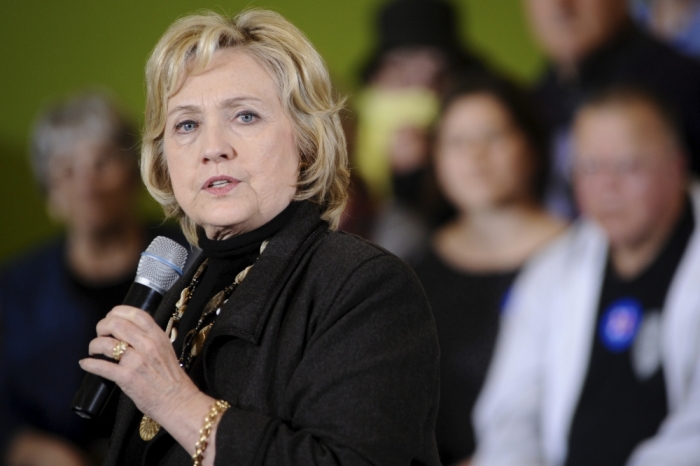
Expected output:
(327, 353)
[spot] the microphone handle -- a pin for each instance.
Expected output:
(95, 391)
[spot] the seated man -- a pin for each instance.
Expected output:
(598, 361)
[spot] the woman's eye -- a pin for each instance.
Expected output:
(186, 126)
(247, 117)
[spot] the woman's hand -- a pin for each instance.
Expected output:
(149, 373)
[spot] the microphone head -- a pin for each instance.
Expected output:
(161, 264)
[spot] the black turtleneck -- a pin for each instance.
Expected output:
(226, 259)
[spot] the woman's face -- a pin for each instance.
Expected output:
(92, 186)
(229, 146)
(482, 160)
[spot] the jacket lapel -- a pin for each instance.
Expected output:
(572, 326)
(246, 313)
(680, 317)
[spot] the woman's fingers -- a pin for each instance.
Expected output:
(139, 318)
(107, 369)
(132, 325)
(104, 346)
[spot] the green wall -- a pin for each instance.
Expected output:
(50, 48)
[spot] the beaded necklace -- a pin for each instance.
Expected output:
(195, 338)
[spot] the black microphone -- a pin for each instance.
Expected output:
(159, 268)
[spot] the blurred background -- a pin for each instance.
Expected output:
(53, 48)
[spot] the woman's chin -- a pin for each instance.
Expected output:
(219, 232)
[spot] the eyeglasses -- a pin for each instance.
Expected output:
(470, 142)
(621, 168)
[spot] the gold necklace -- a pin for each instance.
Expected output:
(195, 338)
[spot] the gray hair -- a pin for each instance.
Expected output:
(89, 115)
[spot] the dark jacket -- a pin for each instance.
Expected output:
(327, 353)
(46, 324)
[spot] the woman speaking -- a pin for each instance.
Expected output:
(287, 342)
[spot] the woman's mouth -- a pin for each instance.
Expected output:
(220, 184)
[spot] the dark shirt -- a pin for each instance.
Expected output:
(47, 319)
(467, 308)
(624, 401)
(630, 57)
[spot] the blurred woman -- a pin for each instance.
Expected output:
(490, 164)
(287, 342)
(84, 154)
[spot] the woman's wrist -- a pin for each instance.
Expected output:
(182, 418)
(208, 430)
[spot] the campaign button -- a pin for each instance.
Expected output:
(619, 324)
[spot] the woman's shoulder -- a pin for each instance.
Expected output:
(427, 261)
(344, 254)
(349, 274)
(353, 248)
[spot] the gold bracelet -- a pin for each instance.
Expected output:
(216, 410)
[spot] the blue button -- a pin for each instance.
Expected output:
(620, 323)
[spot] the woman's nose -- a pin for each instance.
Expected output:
(87, 171)
(477, 151)
(216, 146)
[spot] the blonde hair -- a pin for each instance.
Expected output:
(303, 86)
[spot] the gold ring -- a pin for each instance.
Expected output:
(119, 350)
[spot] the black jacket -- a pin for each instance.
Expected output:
(327, 354)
